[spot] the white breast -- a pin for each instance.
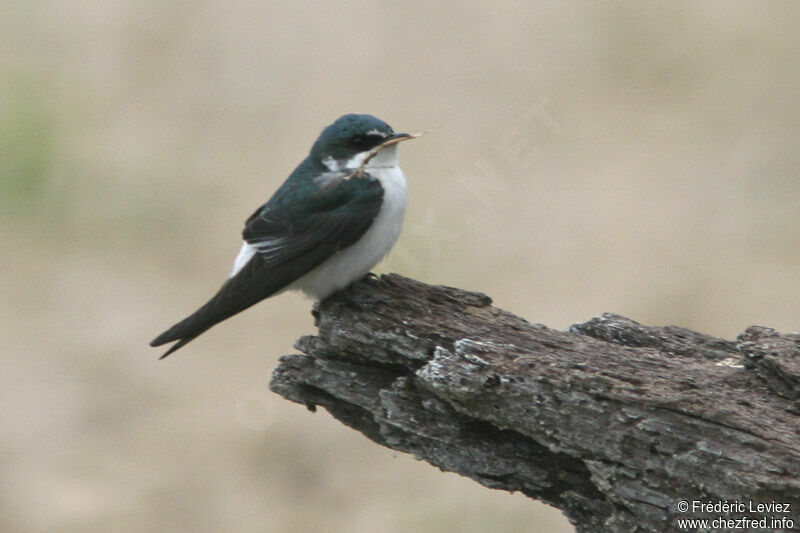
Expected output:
(356, 261)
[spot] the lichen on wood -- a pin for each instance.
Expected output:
(611, 421)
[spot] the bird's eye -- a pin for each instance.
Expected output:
(364, 142)
(360, 141)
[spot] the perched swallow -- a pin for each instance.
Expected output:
(335, 217)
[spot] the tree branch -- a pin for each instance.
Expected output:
(613, 422)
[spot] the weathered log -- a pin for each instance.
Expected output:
(613, 422)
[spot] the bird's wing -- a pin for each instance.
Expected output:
(291, 238)
(294, 238)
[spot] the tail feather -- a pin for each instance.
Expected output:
(184, 331)
(200, 321)
(178, 344)
(247, 288)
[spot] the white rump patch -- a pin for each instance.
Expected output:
(245, 255)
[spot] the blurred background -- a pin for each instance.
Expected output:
(633, 157)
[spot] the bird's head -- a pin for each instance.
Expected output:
(355, 139)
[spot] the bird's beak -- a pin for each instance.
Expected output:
(392, 139)
(398, 137)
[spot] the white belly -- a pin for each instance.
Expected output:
(356, 261)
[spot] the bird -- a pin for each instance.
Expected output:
(335, 217)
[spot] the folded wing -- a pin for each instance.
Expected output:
(292, 236)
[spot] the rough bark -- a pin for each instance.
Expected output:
(613, 422)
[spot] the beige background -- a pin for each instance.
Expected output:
(634, 157)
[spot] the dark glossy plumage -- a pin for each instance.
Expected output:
(311, 217)
(311, 230)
